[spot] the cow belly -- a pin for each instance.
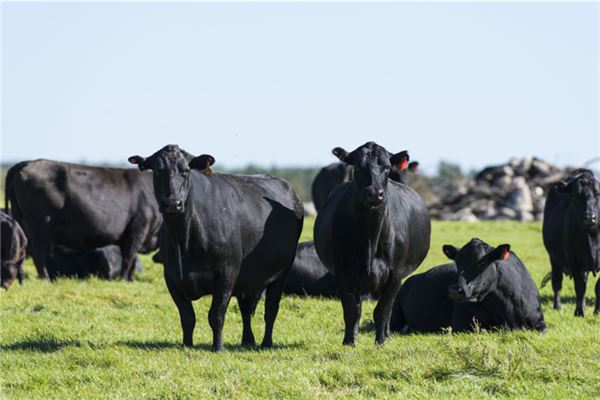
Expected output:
(80, 229)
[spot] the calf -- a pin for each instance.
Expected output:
(423, 303)
(371, 233)
(13, 249)
(308, 276)
(223, 235)
(571, 232)
(493, 288)
(104, 262)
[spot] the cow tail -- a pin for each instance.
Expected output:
(546, 279)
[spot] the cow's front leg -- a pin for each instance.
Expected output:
(186, 312)
(580, 279)
(383, 311)
(352, 306)
(216, 315)
(597, 308)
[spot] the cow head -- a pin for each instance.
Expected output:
(171, 168)
(9, 271)
(372, 164)
(584, 190)
(477, 264)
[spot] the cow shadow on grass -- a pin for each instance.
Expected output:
(548, 298)
(230, 347)
(42, 345)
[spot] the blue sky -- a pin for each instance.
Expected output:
(282, 84)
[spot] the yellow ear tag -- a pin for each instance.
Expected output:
(207, 171)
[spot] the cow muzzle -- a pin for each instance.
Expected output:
(590, 220)
(172, 207)
(374, 195)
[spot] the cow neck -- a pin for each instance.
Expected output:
(375, 220)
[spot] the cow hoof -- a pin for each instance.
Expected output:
(217, 348)
(248, 344)
(557, 306)
(348, 343)
(266, 344)
(579, 313)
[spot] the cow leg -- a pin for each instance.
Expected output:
(39, 259)
(129, 247)
(580, 283)
(216, 314)
(383, 310)
(247, 303)
(557, 278)
(597, 308)
(186, 312)
(272, 299)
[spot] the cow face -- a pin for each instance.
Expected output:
(584, 190)
(477, 265)
(171, 168)
(372, 164)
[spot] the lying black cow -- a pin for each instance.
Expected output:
(308, 276)
(571, 233)
(104, 262)
(224, 235)
(371, 233)
(493, 288)
(13, 249)
(83, 208)
(423, 303)
(333, 174)
(490, 286)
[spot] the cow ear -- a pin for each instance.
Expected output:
(139, 161)
(450, 251)
(413, 166)
(400, 160)
(342, 155)
(561, 186)
(502, 252)
(203, 163)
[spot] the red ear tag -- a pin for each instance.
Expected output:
(505, 255)
(403, 164)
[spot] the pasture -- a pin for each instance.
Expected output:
(96, 339)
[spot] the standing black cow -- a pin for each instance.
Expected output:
(104, 262)
(13, 249)
(333, 174)
(423, 303)
(81, 208)
(371, 232)
(571, 233)
(308, 276)
(493, 288)
(223, 235)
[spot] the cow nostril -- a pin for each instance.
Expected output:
(178, 203)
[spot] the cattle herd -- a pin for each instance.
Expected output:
(237, 235)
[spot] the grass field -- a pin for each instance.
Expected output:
(95, 339)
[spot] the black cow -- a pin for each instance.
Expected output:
(423, 303)
(371, 233)
(224, 235)
(13, 249)
(331, 175)
(571, 231)
(81, 208)
(104, 262)
(308, 276)
(493, 288)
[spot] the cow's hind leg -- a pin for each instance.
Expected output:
(186, 313)
(272, 299)
(597, 308)
(580, 279)
(247, 303)
(557, 278)
(383, 310)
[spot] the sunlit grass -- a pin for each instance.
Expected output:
(96, 339)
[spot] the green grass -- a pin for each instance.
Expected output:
(95, 339)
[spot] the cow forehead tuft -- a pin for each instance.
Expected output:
(473, 251)
(372, 151)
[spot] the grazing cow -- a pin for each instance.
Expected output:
(493, 288)
(104, 262)
(223, 235)
(329, 176)
(423, 303)
(308, 276)
(13, 249)
(571, 233)
(81, 208)
(371, 233)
